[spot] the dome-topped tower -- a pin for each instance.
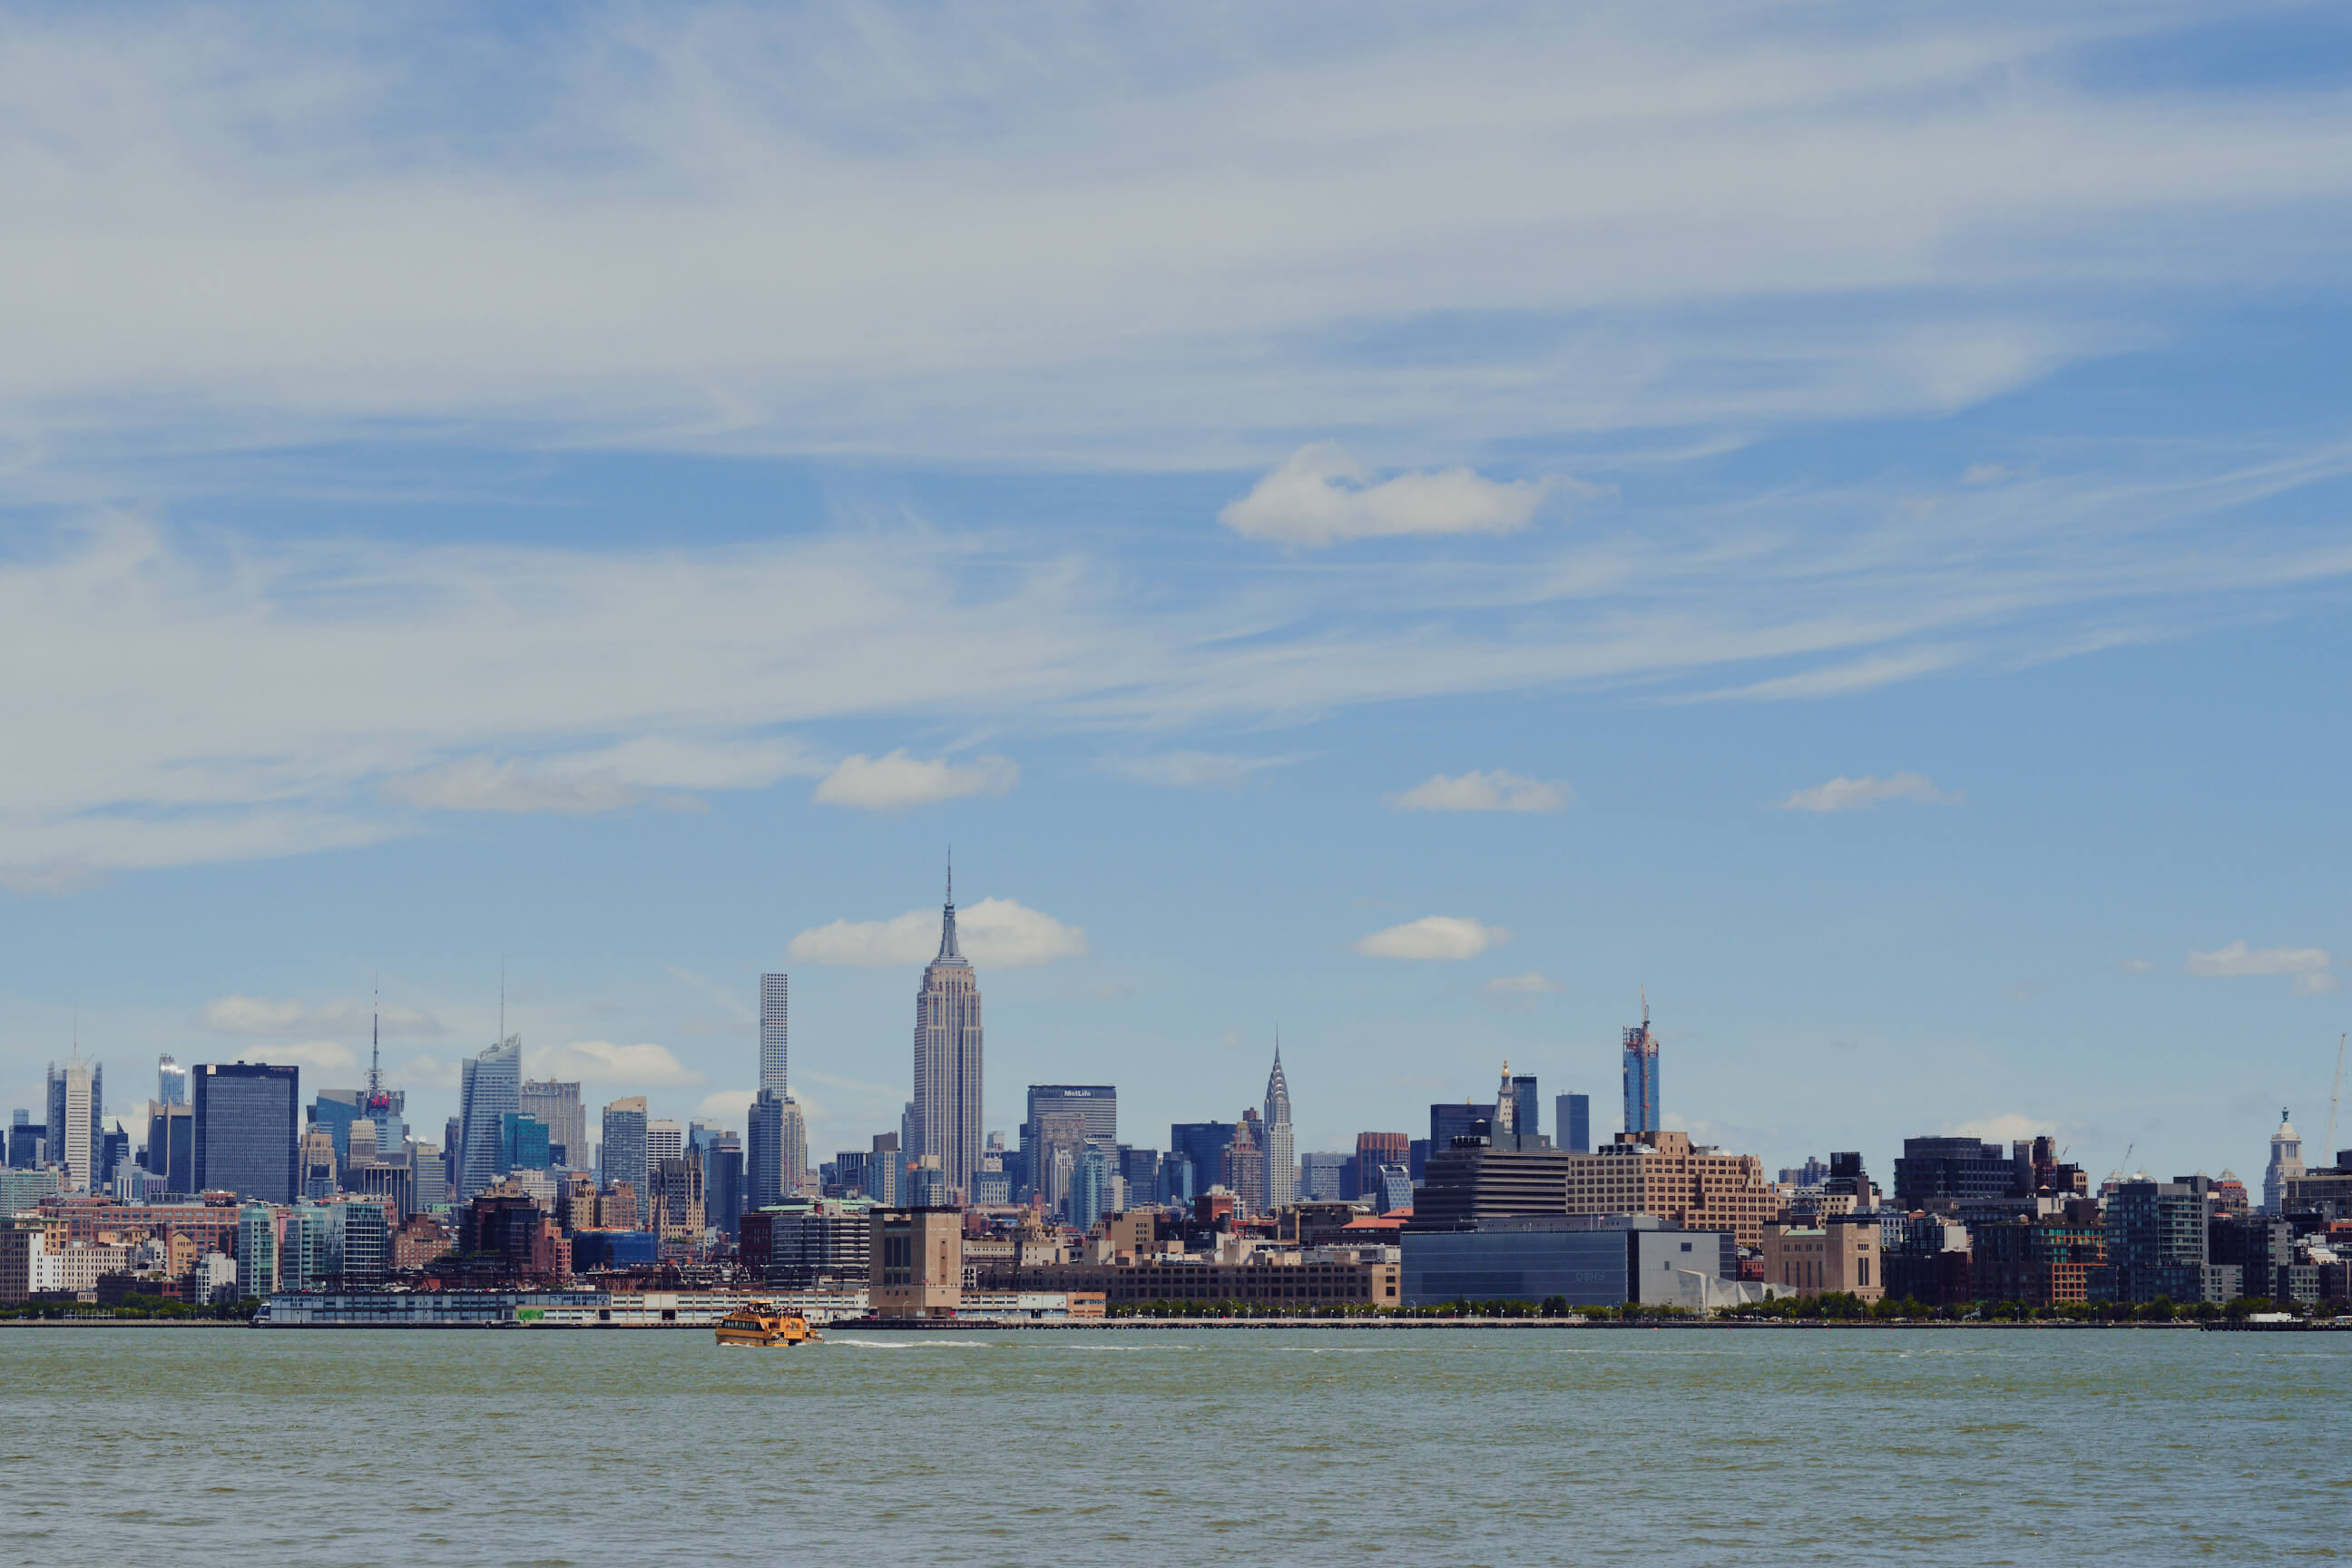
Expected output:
(2286, 1162)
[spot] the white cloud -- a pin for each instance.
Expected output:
(727, 1107)
(642, 1065)
(1531, 984)
(1321, 496)
(236, 1014)
(428, 1072)
(2006, 1128)
(995, 933)
(1842, 794)
(2305, 967)
(2137, 966)
(1433, 936)
(1477, 790)
(895, 782)
(1195, 770)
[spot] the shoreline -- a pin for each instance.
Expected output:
(1237, 1325)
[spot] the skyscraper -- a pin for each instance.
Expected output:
(2286, 1161)
(73, 1124)
(1281, 1186)
(1526, 1113)
(763, 1151)
(1244, 1172)
(170, 1082)
(664, 1140)
(775, 1034)
(624, 1144)
(558, 1109)
(1374, 1150)
(245, 1129)
(1641, 1075)
(1573, 1122)
(489, 1086)
(1095, 1104)
(948, 1061)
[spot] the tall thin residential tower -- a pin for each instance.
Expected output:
(1642, 1075)
(948, 1061)
(775, 1033)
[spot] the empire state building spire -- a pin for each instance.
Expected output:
(948, 949)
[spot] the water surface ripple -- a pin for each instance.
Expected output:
(1428, 1446)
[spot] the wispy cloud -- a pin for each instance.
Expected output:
(237, 1015)
(1434, 937)
(642, 1065)
(1223, 267)
(1477, 791)
(999, 932)
(2306, 968)
(1842, 794)
(1322, 495)
(1531, 984)
(897, 780)
(1195, 770)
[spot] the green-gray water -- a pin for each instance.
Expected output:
(1428, 1446)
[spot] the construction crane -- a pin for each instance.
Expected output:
(2328, 1147)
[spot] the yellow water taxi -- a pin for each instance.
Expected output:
(759, 1323)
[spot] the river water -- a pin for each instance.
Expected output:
(1192, 1447)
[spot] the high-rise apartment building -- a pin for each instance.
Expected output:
(1572, 1123)
(1244, 1172)
(74, 1109)
(560, 1110)
(1642, 1075)
(775, 1032)
(949, 1061)
(793, 1146)
(1056, 1140)
(246, 1130)
(1281, 1175)
(489, 1086)
(664, 1140)
(677, 1201)
(624, 1143)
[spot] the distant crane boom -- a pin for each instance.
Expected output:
(2328, 1147)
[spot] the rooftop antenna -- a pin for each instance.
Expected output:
(375, 1041)
(950, 876)
(502, 998)
(2335, 1094)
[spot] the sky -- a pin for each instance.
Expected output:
(1412, 527)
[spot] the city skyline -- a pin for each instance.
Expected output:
(1841, 596)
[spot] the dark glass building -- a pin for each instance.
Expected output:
(1205, 1144)
(1944, 1172)
(246, 1116)
(1572, 1123)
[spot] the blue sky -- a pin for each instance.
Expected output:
(1406, 524)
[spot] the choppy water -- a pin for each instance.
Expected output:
(1199, 1446)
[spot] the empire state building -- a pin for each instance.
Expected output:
(948, 1060)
